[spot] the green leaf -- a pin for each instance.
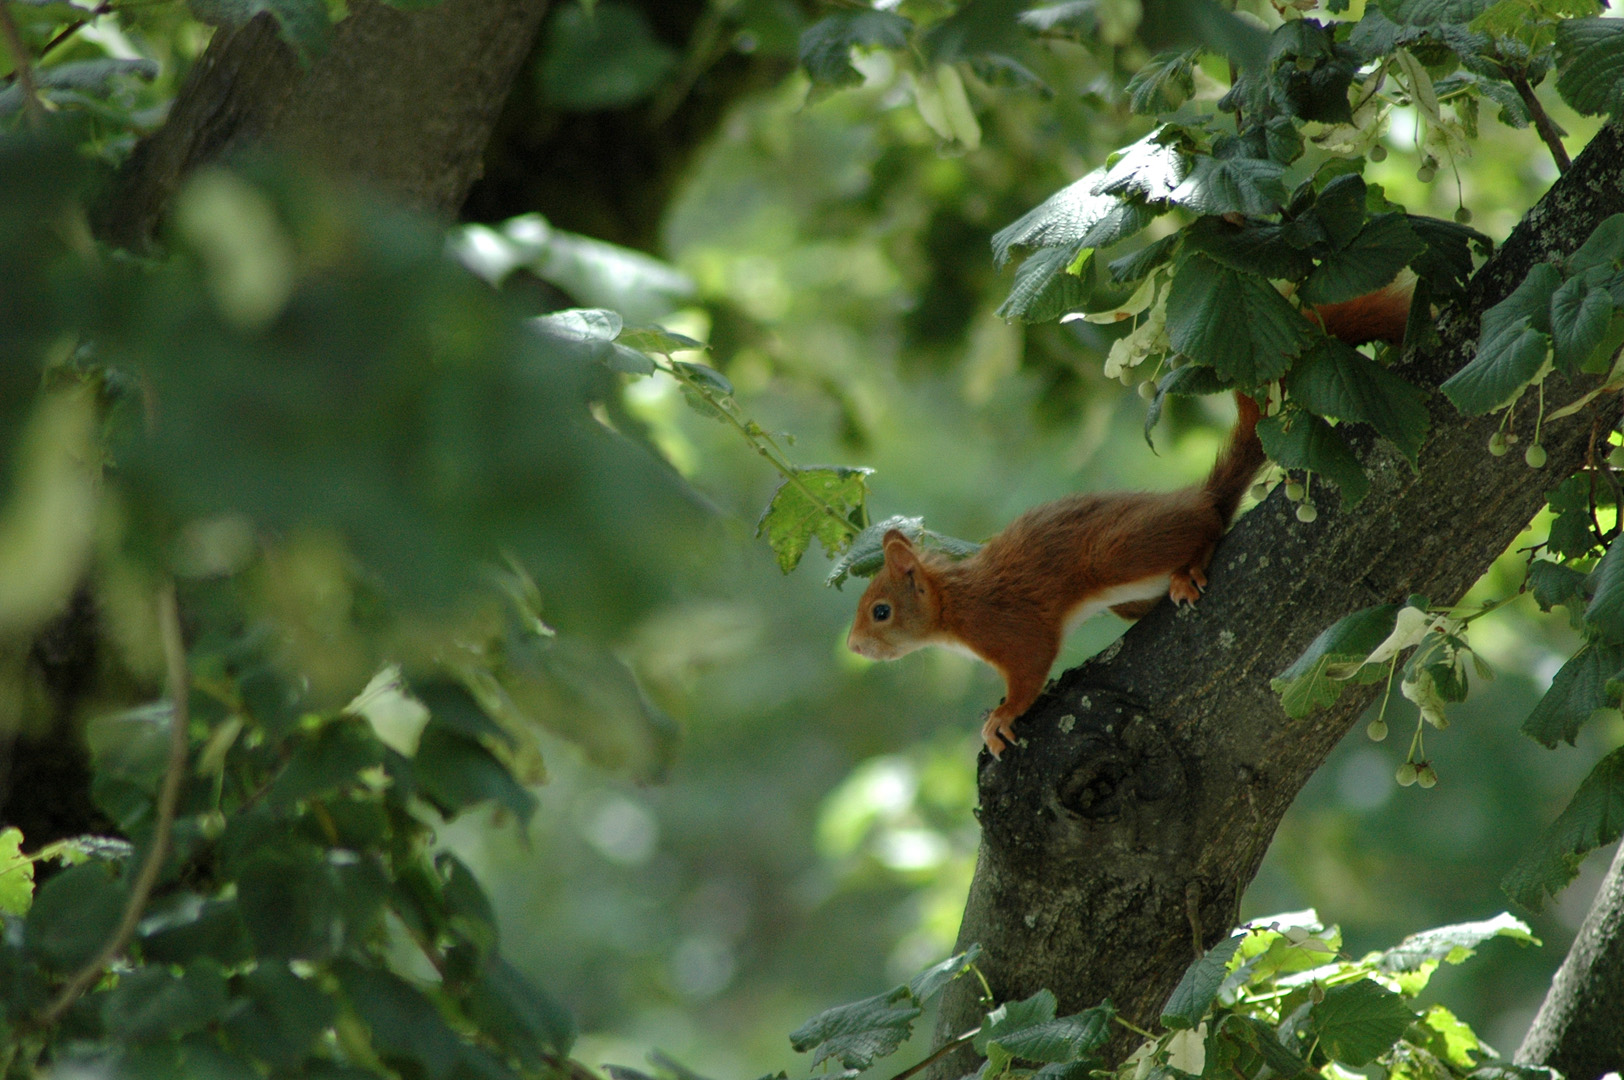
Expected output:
(527, 1022)
(1234, 323)
(1014, 1016)
(1163, 84)
(1064, 1039)
(1308, 442)
(1130, 268)
(405, 1025)
(1590, 54)
(73, 915)
(303, 23)
(151, 1002)
(1571, 533)
(1150, 169)
(1433, 12)
(186, 926)
(656, 339)
(975, 28)
(867, 552)
(1315, 678)
(325, 761)
(1043, 290)
(1340, 209)
(1553, 584)
(1264, 250)
(1334, 380)
(1191, 380)
(97, 78)
(934, 979)
(1594, 817)
(457, 773)
(279, 1016)
(1577, 691)
(605, 57)
(582, 324)
(1512, 346)
(818, 503)
(1581, 310)
(1370, 260)
(1604, 247)
(1263, 1040)
(16, 874)
(1606, 611)
(1447, 262)
(826, 45)
(1453, 944)
(1193, 996)
(289, 902)
(858, 1033)
(1232, 186)
(1359, 1021)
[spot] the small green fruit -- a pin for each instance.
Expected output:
(1294, 491)
(1260, 491)
(1147, 389)
(1463, 215)
(1498, 445)
(1535, 456)
(1306, 513)
(1406, 774)
(1425, 174)
(1377, 153)
(1426, 777)
(1377, 730)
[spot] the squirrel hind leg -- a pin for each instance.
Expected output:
(1186, 585)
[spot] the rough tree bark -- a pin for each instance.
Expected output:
(1577, 1030)
(1118, 840)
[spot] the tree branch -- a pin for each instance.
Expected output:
(1167, 760)
(1547, 128)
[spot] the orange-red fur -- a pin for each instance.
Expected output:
(1009, 603)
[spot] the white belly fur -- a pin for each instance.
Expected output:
(1144, 589)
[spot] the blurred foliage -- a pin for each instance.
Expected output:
(428, 554)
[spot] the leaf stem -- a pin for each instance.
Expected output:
(178, 678)
(1133, 1027)
(24, 67)
(1548, 130)
(940, 1053)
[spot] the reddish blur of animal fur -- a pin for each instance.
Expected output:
(1011, 603)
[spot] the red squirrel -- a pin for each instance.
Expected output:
(1011, 603)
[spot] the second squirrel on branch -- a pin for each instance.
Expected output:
(1011, 603)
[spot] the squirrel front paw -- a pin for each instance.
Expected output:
(1185, 586)
(998, 732)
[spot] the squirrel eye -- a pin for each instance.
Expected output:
(881, 612)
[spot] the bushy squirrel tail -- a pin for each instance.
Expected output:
(1239, 462)
(1378, 316)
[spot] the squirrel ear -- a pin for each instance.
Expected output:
(900, 556)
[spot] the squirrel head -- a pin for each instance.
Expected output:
(900, 609)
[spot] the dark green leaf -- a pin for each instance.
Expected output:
(1368, 262)
(857, 1033)
(1064, 1039)
(819, 502)
(325, 761)
(1447, 262)
(1512, 346)
(97, 78)
(1264, 250)
(1043, 290)
(151, 1002)
(405, 1025)
(1015, 1016)
(1433, 12)
(1308, 442)
(1193, 996)
(976, 28)
(1340, 209)
(1572, 534)
(185, 926)
(605, 56)
(1359, 1021)
(1315, 678)
(1594, 818)
(74, 913)
(1235, 323)
(1581, 309)
(1331, 379)
(1232, 186)
(706, 376)
(1266, 1042)
(289, 901)
(1606, 611)
(1553, 584)
(303, 23)
(528, 1022)
(1130, 268)
(1591, 56)
(457, 773)
(1163, 84)
(930, 982)
(826, 45)
(1604, 247)
(454, 708)
(271, 699)
(282, 1015)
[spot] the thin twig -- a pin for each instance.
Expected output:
(77, 25)
(168, 795)
(24, 65)
(940, 1053)
(1547, 128)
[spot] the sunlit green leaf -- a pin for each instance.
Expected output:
(818, 502)
(1359, 1021)
(1232, 186)
(16, 874)
(1315, 678)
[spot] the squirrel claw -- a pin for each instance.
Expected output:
(997, 733)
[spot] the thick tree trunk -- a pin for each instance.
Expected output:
(1118, 840)
(1578, 1030)
(403, 100)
